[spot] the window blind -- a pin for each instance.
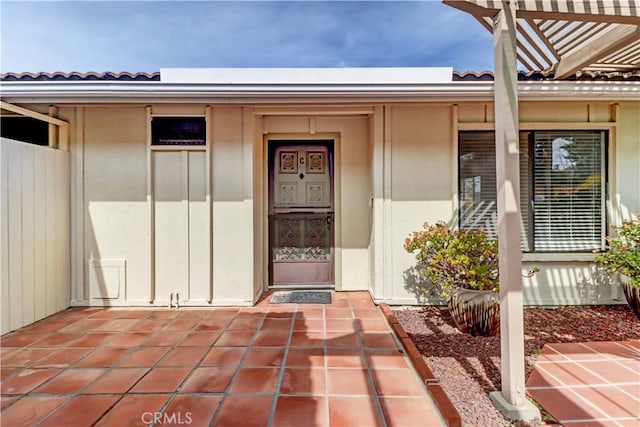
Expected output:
(562, 181)
(477, 183)
(568, 187)
(478, 201)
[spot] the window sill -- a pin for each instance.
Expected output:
(559, 257)
(178, 147)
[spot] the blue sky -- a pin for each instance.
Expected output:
(149, 35)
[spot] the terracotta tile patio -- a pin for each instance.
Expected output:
(273, 364)
(589, 384)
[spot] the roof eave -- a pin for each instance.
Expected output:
(140, 92)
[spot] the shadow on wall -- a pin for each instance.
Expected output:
(597, 286)
(418, 286)
(555, 284)
(94, 284)
(571, 283)
(559, 282)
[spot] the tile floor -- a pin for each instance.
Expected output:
(589, 384)
(273, 364)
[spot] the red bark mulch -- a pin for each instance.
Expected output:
(469, 367)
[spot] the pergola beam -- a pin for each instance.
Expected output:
(33, 114)
(585, 35)
(538, 30)
(589, 17)
(625, 11)
(63, 127)
(563, 26)
(529, 38)
(483, 20)
(597, 49)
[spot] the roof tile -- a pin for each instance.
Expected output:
(469, 76)
(75, 75)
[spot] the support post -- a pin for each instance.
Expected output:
(511, 400)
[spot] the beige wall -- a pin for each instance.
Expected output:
(155, 224)
(127, 223)
(355, 195)
(422, 171)
(34, 231)
(117, 220)
(626, 196)
(232, 209)
(424, 186)
(395, 169)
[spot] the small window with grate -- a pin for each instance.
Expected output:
(178, 131)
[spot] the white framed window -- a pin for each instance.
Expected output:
(562, 187)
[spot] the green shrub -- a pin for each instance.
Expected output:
(623, 254)
(453, 259)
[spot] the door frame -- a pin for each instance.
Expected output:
(302, 139)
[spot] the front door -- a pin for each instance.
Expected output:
(301, 213)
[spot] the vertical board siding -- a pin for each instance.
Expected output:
(5, 319)
(35, 255)
(182, 243)
(14, 164)
(63, 227)
(48, 287)
(28, 237)
(199, 252)
(40, 226)
(170, 188)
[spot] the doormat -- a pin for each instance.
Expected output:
(301, 297)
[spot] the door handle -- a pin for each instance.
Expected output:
(329, 220)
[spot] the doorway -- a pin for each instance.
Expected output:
(301, 214)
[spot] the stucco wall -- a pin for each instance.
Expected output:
(627, 161)
(424, 186)
(117, 228)
(422, 172)
(412, 148)
(145, 236)
(232, 209)
(132, 235)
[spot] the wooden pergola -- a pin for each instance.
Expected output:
(567, 38)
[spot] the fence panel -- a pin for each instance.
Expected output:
(34, 232)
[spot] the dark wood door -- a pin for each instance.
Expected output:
(301, 215)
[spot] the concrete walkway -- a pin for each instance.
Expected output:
(273, 364)
(589, 384)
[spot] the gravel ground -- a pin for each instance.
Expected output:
(469, 367)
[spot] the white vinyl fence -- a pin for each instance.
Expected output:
(34, 232)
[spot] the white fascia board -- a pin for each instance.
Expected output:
(579, 90)
(140, 92)
(43, 91)
(307, 76)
